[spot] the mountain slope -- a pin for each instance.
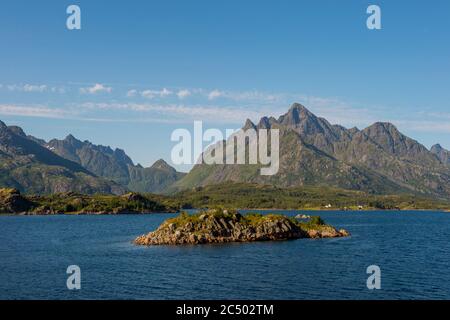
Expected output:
(100, 160)
(116, 165)
(442, 154)
(378, 159)
(29, 167)
(155, 179)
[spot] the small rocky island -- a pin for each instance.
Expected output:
(219, 226)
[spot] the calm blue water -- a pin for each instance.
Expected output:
(411, 248)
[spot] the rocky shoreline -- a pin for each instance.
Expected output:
(221, 226)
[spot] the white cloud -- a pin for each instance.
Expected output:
(165, 92)
(430, 126)
(183, 93)
(132, 93)
(58, 90)
(97, 88)
(177, 112)
(215, 94)
(34, 88)
(34, 111)
(150, 94)
(252, 96)
(28, 87)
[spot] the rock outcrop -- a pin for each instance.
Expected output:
(11, 201)
(220, 226)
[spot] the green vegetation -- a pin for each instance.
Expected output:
(255, 196)
(71, 202)
(249, 219)
(225, 195)
(11, 201)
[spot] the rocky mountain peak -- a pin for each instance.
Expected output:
(17, 130)
(436, 148)
(248, 125)
(120, 155)
(69, 140)
(385, 134)
(264, 123)
(384, 127)
(296, 114)
(162, 165)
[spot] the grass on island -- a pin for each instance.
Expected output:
(249, 219)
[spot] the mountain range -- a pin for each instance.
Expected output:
(378, 159)
(115, 165)
(33, 165)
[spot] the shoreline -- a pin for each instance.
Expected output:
(199, 209)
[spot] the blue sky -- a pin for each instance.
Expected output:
(137, 70)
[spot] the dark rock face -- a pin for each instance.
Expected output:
(217, 226)
(378, 159)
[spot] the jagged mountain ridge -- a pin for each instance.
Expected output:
(29, 167)
(116, 165)
(74, 165)
(377, 159)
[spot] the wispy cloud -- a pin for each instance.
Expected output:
(183, 93)
(132, 93)
(177, 112)
(150, 94)
(435, 126)
(29, 87)
(34, 88)
(215, 94)
(96, 88)
(34, 111)
(219, 105)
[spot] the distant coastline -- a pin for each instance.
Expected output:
(229, 195)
